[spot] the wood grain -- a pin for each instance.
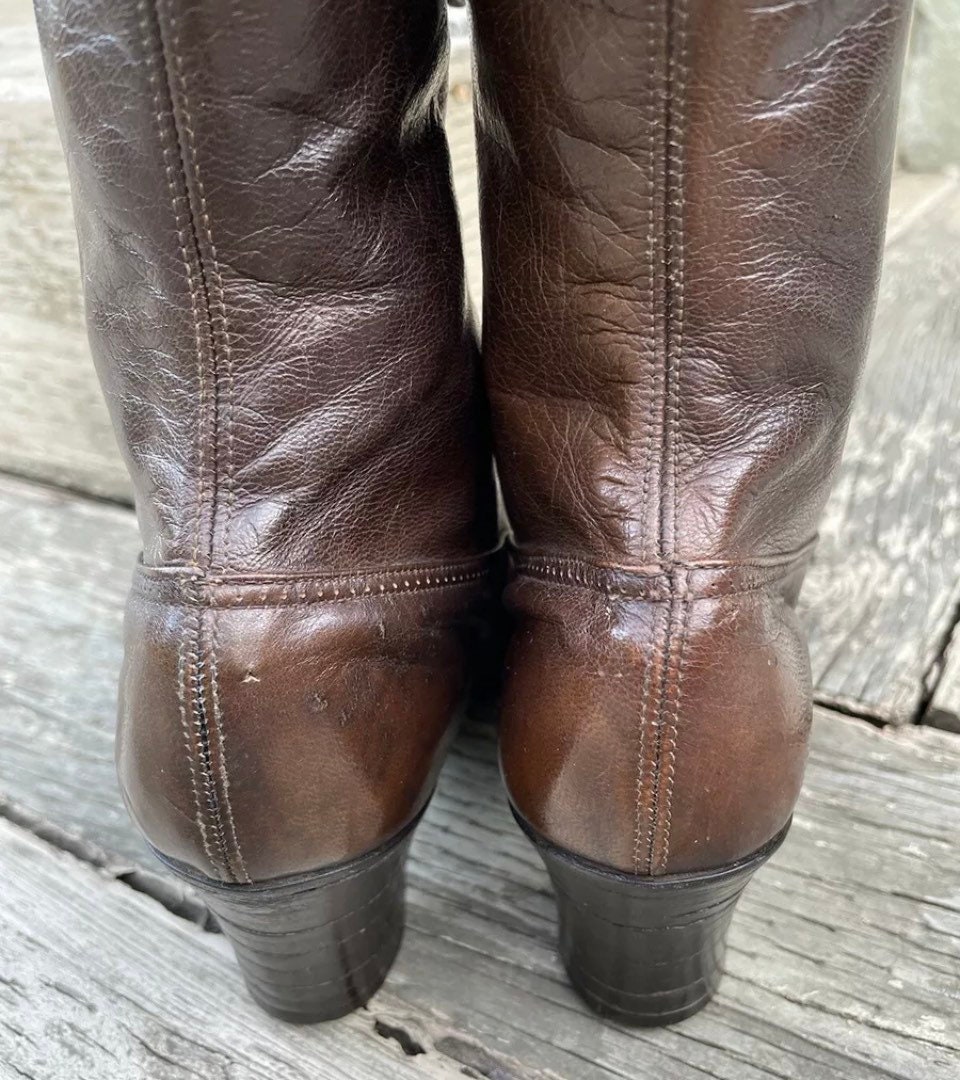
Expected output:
(54, 422)
(882, 596)
(944, 709)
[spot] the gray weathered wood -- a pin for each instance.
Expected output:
(884, 589)
(97, 980)
(54, 423)
(845, 955)
(944, 708)
(929, 136)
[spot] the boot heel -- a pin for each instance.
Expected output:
(314, 946)
(644, 951)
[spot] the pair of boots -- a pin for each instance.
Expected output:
(682, 209)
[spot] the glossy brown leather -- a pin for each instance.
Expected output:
(683, 205)
(274, 288)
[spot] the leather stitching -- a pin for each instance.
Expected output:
(650, 411)
(216, 799)
(201, 733)
(566, 565)
(655, 410)
(201, 743)
(219, 337)
(173, 586)
(188, 657)
(163, 116)
(670, 430)
(188, 743)
(669, 705)
(658, 862)
(303, 593)
(201, 753)
(217, 298)
(642, 788)
(221, 741)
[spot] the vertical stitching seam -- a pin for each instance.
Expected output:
(188, 743)
(218, 300)
(639, 832)
(199, 743)
(224, 339)
(222, 740)
(662, 690)
(162, 119)
(666, 718)
(658, 97)
(164, 122)
(671, 716)
(650, 411)
(661, 861)
(202, 735)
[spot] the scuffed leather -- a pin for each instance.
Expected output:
(274, 288)
(682, 208)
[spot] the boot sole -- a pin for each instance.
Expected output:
(644, 951)
(314, 946)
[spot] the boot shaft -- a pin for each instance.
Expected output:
(273, 278)
(683, 208)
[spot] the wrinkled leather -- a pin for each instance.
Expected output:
(683, 205)
(274, 288)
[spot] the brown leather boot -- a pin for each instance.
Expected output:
(683, 209)
(274, 286)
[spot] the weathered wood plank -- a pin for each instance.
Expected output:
(929, 135)
(845, 955)
(883, 592)
(54, 422)
(97, 980)
(944, 709)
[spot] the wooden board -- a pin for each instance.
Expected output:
(844, 960)
(52, 416)
(97, 980)
(882, 597)
(944, 709)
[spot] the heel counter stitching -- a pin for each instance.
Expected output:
(188, 746)
(176, 585)
(203, 752)
(218, 714)
(660, 849)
